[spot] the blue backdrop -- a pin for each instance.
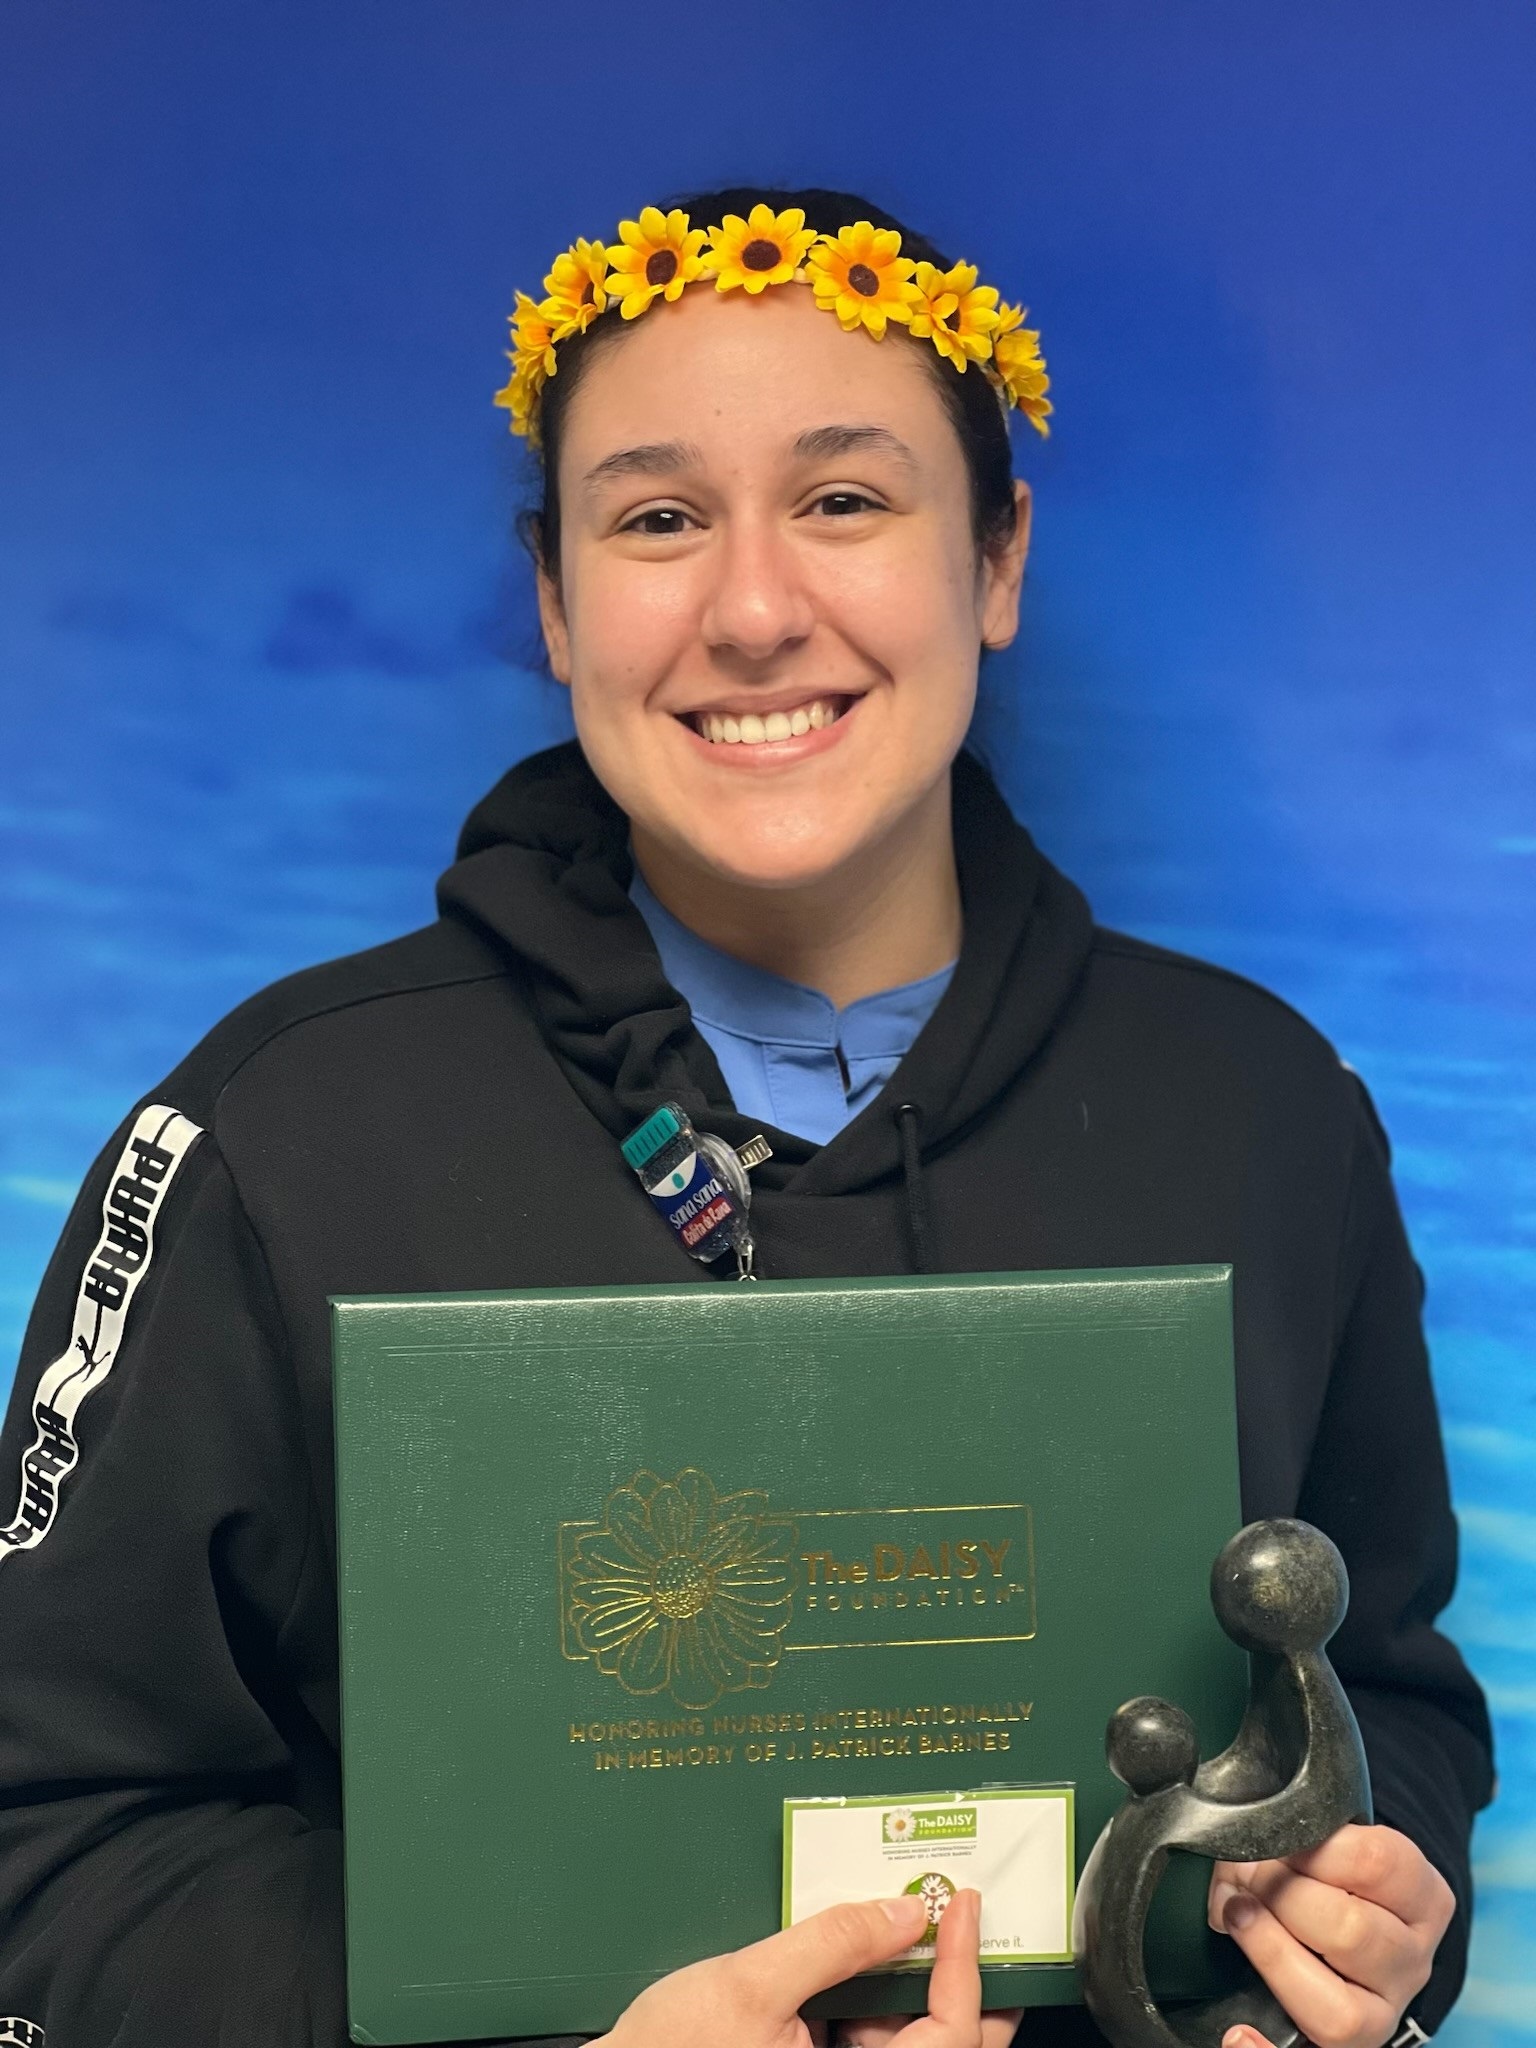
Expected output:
(261, 621)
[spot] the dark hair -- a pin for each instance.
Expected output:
(970, 399)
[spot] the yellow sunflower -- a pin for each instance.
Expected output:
(532, 357)
(765, 248)
(861, 278)
(955, 313)
(660, 254)
(1019, 363)
(575, 287)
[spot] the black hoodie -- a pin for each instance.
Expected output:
(395, 1123)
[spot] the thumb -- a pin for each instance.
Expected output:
(782, 1972)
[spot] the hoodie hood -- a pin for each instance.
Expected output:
(542, 877)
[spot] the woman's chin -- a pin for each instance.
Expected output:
(774, 871)
(785, 842)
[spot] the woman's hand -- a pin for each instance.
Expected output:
(1343, 1936)
(997, 2029)
(752, 1998)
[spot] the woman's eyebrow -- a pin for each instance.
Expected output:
(821, 442)
(653, 458)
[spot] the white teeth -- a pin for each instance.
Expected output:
(750, 730)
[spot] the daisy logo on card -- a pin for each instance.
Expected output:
(935, 1890)
(946, 1823)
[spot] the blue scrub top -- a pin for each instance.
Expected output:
(777, 1043)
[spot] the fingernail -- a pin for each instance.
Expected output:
(1220, 1893)
(900, 1912)
(1237, 2037)
(1240, 1912)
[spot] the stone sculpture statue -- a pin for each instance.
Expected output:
(1295, 1773)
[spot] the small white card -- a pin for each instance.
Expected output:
(1012, 1843)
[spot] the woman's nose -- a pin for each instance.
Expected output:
(758, 601)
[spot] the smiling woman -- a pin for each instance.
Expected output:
(778, 610)
(768, 543)
(767, 890)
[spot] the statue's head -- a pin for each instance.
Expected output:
(1151, 1744)
(1280, 1586)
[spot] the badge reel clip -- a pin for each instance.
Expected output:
(699, 1184)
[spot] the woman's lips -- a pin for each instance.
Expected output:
(760, 740)
(766, 753)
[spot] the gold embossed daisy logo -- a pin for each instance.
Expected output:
(681, 1589)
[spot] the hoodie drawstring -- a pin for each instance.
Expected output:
(909, 1122)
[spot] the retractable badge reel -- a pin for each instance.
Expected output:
(699, 1184)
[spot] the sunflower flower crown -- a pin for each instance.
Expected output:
(859, 274)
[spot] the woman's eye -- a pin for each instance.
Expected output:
(839, 504)
(659, 519)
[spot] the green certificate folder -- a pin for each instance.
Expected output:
(622, 1569)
